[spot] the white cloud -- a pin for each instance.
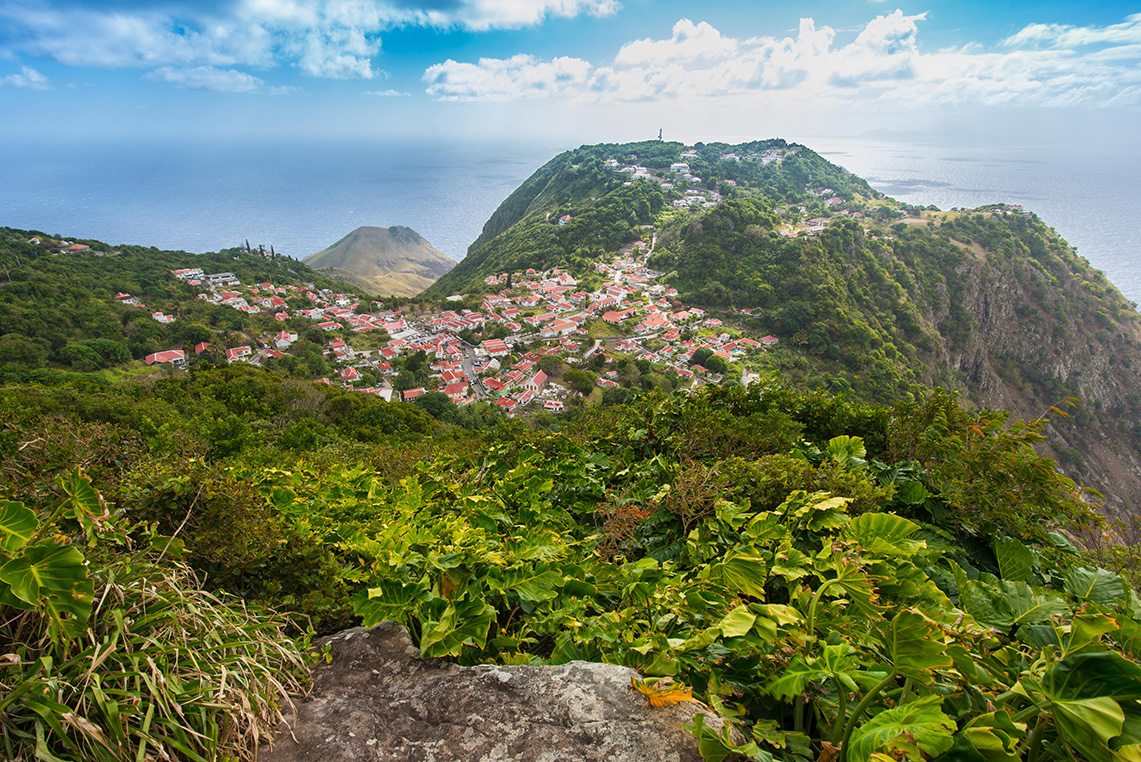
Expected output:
(387, 93)
(520, 76)
(28, 79)
(1064, 36)
(207, 78)
(481, 15)
(334, 39)
(884, 64)
(690, 42)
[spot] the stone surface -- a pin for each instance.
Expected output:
(378, 700)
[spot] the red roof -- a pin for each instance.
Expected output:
(170, 355)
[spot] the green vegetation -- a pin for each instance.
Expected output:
(60, 308)
(882, 573)
(887, 580)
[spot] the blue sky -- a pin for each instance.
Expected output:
(568, 70)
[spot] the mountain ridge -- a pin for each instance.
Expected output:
(869, 296)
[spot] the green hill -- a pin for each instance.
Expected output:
(395, 261)
(869, 297)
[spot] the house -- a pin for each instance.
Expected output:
(536, 382)
(349, 375)
(175, 357)
(411, 394)
(161, 318)
(769, 341)
(238, 353)
(223, 280)
(555, 406)
(495, 347)
(284, 339)
(201, 347)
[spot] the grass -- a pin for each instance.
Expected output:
(166, 671)
(126, 372)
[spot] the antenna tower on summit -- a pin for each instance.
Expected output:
(659, 133)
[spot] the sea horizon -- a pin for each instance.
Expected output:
(302, 196)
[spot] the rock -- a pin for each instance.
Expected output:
(378, 700)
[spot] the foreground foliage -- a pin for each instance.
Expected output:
(121, 655)
(912, 617)
(833, 578)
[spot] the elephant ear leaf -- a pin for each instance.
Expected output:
(463, 622)
(1085, 694)
(915, 731)
(917, 645)
(885, 534)
(1015, 560)
(17, 524)
(54, 578)
(1095, 585)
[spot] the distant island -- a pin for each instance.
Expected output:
(394, 261)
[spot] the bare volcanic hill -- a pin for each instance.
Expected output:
(395, 261)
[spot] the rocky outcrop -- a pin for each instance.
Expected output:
(376, 699)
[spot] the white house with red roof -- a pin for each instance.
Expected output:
(536, 382)
(238, 353)
(175, 357)
(495, 347)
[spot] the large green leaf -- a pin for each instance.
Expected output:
(912, 493)
(17, 524)
(835, 661)
(744, 572)
(917, 645)
(1093, 675)
(1015, 560)
(53, 577)
(737, 622)
(848, 451)
(991, 737)
(459, 623)
(390, 599)
(531, 583)
(87, 505)
(815, 511)
(985, 603)
(1088, 724)
(857, 587)
(1084, 693)
(1093, 584)
(715, 747)
(884, 534)
(914, 731)
(1030, 607)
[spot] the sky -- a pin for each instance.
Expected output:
(580, 71)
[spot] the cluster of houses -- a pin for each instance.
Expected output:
(539, 314)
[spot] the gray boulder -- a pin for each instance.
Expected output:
(378, 700)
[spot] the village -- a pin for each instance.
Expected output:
(542, 322)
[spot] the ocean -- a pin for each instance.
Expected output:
(300, 197)
(1087, 192)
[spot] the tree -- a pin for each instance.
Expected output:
(20, 350)
(579, 380)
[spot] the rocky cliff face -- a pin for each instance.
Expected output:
(1037, 336)
(376, 699)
